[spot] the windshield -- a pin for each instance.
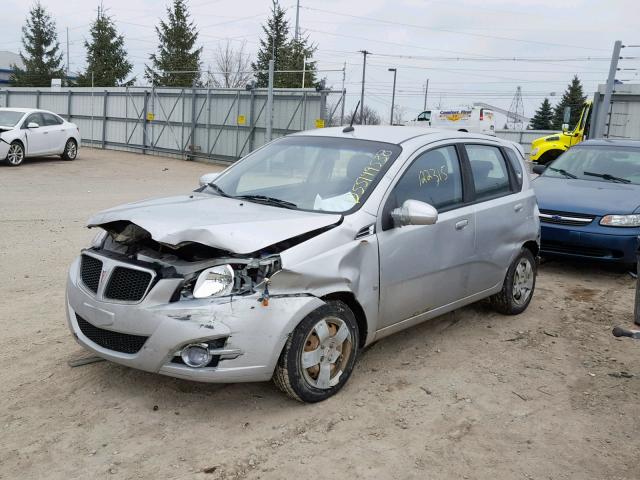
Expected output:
(600, 164)
(10, 118)
(323, 174)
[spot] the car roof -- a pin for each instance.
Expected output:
(392, 134)
(607, 142)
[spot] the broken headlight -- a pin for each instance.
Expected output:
(214, 281)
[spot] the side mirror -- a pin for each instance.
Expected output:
(539, 169)
(32, 125)
(414, 212)
(208, 178)
(565, 127)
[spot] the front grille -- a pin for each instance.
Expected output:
(558, 247)
(116, 341)
(90, 270)
(127, 284)
(565, 218)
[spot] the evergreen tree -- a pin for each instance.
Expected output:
(42, 58)
(106, 56)
(176, 50)
(300, 57)
(573, 97)
(543, 118)
(276, 46)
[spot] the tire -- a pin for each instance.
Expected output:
(549, 157)
(519, 285)
(70, 150)
(330, 331)
(15, 156)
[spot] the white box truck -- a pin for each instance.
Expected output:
(472, 119)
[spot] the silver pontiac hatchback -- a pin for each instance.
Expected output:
(289, 262)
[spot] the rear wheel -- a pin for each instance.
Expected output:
(519, 284)
(319, 355)
(548, 157)
(70, 150)
(16, 154)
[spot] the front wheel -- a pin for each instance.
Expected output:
(70, 150)
(519, 284)
(15, 156)
(319, 355)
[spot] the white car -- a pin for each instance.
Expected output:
(27, 132)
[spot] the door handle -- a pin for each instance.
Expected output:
(46, 133)
(461, 224)
(517, 207)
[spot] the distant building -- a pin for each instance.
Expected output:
(7, 61)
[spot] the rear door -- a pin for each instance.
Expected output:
(57, 136)
(501, 213)
(423, 267)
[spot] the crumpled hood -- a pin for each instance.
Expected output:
(238, 226)
(586, 196)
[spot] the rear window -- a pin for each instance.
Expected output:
(515, 165)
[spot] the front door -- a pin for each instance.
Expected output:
(37, 138)
(423, 267)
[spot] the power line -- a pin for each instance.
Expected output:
(422, 27)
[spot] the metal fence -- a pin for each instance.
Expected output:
(622, 119)
(523, 137)
(216, 124)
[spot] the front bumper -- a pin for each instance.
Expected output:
(559, 240)
(258, 333)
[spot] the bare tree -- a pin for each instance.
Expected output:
(233, 66)
(371, 117)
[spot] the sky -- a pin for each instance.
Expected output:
(470, 50)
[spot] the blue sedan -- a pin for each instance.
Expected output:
(589, 200)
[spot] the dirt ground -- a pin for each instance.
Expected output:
(472, 395)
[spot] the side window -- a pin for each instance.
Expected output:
(490, 174)
(50, 120)
(516, 166)
(34, 117)
(434, 178)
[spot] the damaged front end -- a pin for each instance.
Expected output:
(205, 271)
(188, 310)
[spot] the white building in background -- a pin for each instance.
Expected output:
(7, 61)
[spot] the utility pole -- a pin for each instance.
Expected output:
(426, 90)
(270, 102)
(67, 54)
(295, 36)
(344, 92)
(364, 69)
(393, 95)
(603, 109)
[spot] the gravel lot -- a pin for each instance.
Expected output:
(470, 395)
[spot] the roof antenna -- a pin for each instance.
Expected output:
(353, 116)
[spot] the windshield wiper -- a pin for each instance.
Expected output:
(218, 190)
(268, 200)
(562, 172)
(607, 176)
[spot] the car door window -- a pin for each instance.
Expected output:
(35, 118)
(434, 178)
(50, 120)
(516, 166)
(489, 170)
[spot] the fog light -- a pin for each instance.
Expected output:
(196, 355)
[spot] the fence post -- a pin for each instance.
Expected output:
(237, 155)
(37, 98)
(182, 122)
(208, 119)
(192, 135)
(104, 118)
(252, 120)
(69, 93)
(323, 105)
(6, 100)
(270, 103)
(144, 121)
